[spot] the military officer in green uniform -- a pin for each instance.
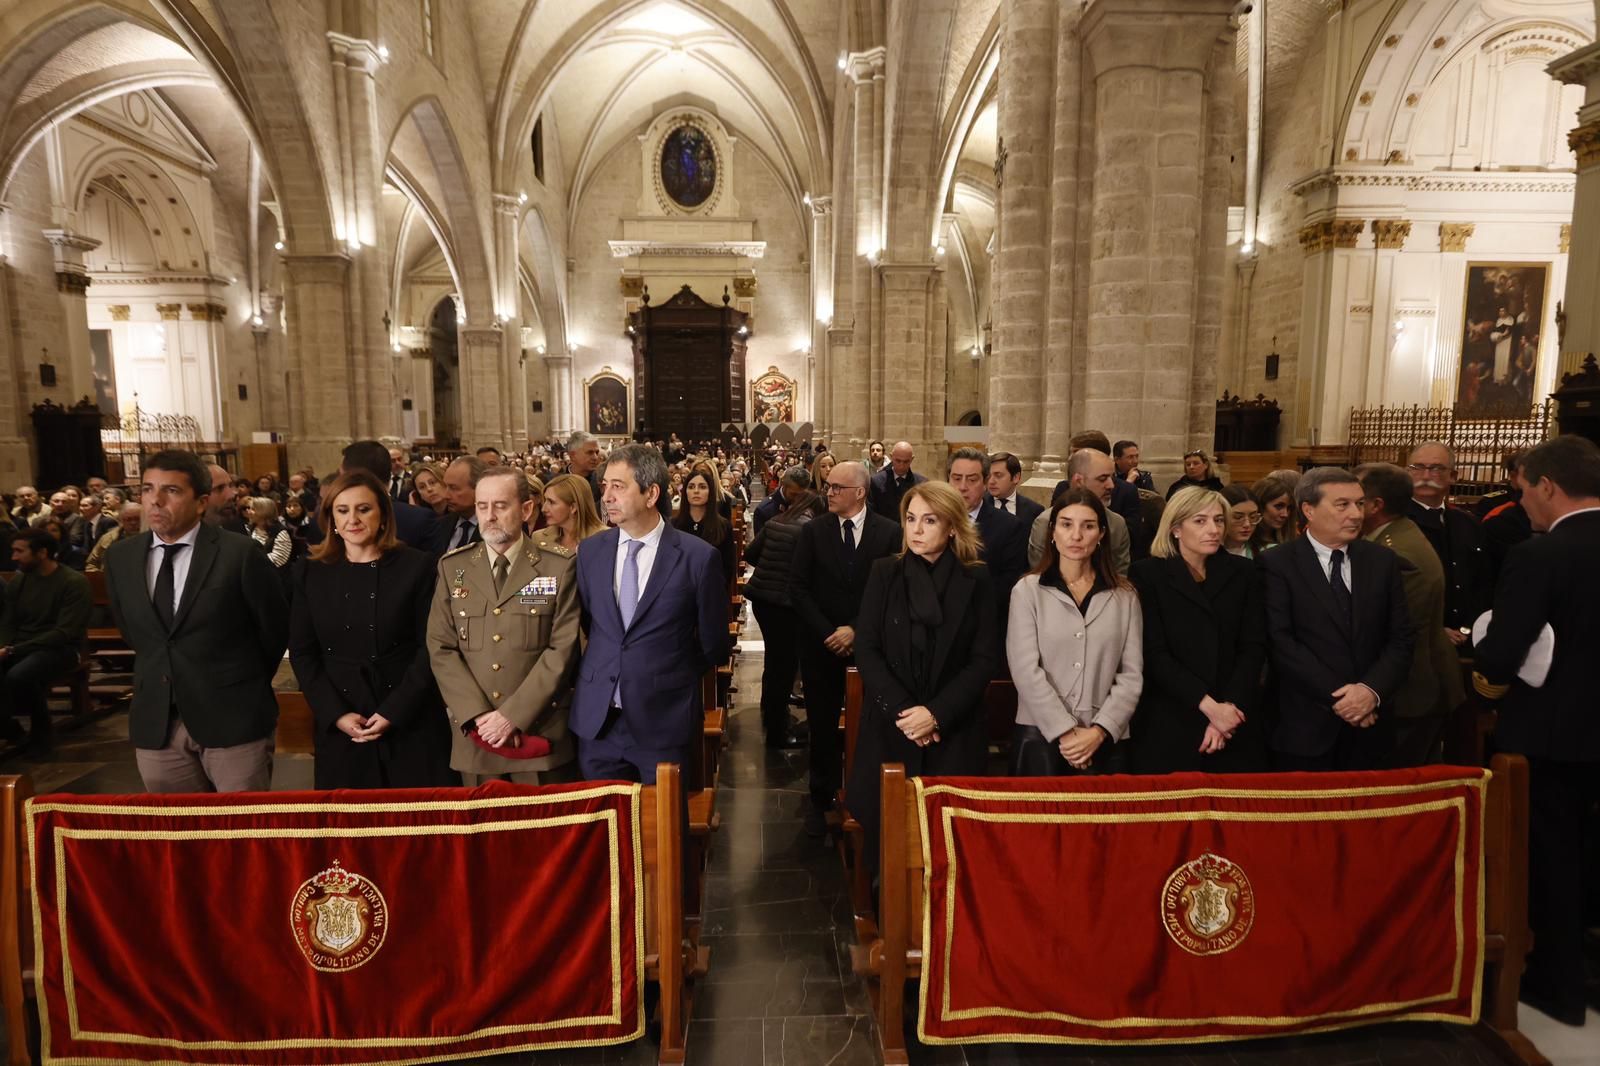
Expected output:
(503, 638)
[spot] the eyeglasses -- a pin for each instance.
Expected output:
(830, 487)
(1248, 519)
(1428, 468)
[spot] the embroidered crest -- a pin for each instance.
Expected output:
(1207, 906)
(339, 919)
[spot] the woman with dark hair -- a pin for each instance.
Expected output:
(1197, 474)
(698, 514)
(1243, 519)
(1205, 640)
(1274, 494)
(772, 553)
(1074, 646)
(267, 485)
(927, 642)
(358, 620)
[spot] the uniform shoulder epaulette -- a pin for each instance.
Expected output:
(458, 551)
(556, 549)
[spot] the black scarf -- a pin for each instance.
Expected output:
(925, 590)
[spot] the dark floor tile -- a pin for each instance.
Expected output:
(787, 846)
(767, 901)
(761, 804)
(770, 976)
(728, 1041)
(831, 1041)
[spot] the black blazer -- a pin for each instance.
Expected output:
(1027, 509)
(884, 497)
(216, 665)
(1550, 580)
(1005, 548)
(1316, 652)
(1459, 541)
(966, 653)
(357, 643)
(1199, 641)
(824, 590)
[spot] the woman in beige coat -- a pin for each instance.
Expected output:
(1075, 645)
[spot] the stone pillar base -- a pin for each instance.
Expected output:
(1039, 486)
(16, 462)
(321, 454)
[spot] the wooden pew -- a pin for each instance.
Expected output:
(894, 958)
(670, 960)
(297, 726)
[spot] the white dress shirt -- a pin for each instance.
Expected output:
(1325, 560)
(858, 521)
(646, 559)
(180, 564)
(1008, 504)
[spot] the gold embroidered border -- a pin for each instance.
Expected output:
(632, 791)
(1457, 803)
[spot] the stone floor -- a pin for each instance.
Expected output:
(780, 990)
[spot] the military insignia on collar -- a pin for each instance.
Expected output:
(458, 590)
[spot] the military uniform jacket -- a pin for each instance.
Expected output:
(513, 652)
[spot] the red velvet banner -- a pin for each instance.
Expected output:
(337, 927)
(1191, 907)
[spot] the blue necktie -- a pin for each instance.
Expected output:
(628, 599)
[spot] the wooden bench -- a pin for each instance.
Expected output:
(894, 958)
(670, 959)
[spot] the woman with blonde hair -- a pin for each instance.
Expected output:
(820, 467)
(1205, 641)
(569, 512)
(1074, 647)
(268, 532)
(927, 641)
(536, 486)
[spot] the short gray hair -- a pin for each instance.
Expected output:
(1313, 481)
(1078, 462)
(579, 438)
(859, 474)
(524, 490)
(1449, 451)
(798, 476)
(645, 463)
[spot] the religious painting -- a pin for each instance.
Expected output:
(1504, 318)
(608, 404)
(688, 166)
(772, 397)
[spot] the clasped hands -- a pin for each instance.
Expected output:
(1078, 745)
(841, 641)
(1356, 704)
(361, 728)
(1222, 719)
(918, 725)
(495, 728)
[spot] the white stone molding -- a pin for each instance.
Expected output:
(745, 249)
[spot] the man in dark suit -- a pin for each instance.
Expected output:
(795, 482)
(1432, 690)
(583, 460)
(205, 614)
(827, 578)
(1125, 453)
(458, 526)
(1340, 634)
(655, 609)
(1552, 580)
(1005, 538)
(890, 483)
(1457, 539)
(399, 479)
(92, 524)
(1005, 483)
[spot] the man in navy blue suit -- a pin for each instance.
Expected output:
(655, 609)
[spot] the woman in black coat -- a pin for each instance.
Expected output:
(927, 642)
(1205, 641)
(772, 553)
(356, 642)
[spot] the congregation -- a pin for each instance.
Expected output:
(548, 617)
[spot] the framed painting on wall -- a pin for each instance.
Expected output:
(1502, 323)
(772, 398)
(606, 396)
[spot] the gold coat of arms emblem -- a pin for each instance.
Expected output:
(339, 919)
(1207, 906)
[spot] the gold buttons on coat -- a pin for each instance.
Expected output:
(497, 610)
(494, 666)
(494, 695)
(496, 638)
(463, 614)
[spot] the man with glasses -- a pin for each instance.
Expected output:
(1456, 537)
(827, 579)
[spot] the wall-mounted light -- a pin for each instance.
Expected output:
(539, 349)
(396, 347)
(522, 197)
(806, 199)
(277, 246)
(256, 320)
(744, 331)
(1247, 248)
(383, 52)
(938, 249)
(844, 60)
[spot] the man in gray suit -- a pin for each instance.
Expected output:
(205, 614)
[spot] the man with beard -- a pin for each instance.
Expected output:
(44, 621)
(1456, 538)
(503, 639)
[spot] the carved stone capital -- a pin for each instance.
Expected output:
(72, 282)
(119, 312)
(1566, 237)
(1584, 141)
(744, 286)
(862, 67)
(1346, 231)
(1331, 233)
(1453, 236)
(1391, 233)
(507, 204)
(821, 206)
(632, 285)
(169, 312)
(208, 312)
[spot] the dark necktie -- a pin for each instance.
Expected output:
(165, 595)
(849, 541)
(394, 487)
(1005, 505)
(465, 534)
(500, 566)
(1341, 591)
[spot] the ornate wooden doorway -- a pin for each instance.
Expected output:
(688, 362)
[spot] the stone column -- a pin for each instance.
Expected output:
(816, 395)
(482, 386)
(1388, 238)
(322, 400)
(914, 326)
(209, 318)
(74, 357)
(1216, 181)
(853, 370)
(1148, 236)
(1446, 369)
(1022, 300)
(16, 462)
(1582, 295)
(559, 367)
(513, 406)
(1063, 402)
(1324, 389)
